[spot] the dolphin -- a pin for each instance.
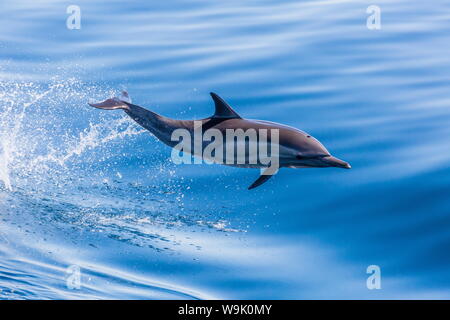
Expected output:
(297, 149)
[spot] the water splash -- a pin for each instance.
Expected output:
(5, 155)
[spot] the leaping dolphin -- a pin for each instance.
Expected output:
(297, 149)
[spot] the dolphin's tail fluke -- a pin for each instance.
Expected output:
(120, 102)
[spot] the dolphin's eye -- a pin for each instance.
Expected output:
(308, 136)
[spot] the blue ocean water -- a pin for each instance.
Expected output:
(89, 188)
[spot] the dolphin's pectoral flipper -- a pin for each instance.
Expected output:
(111, 104)
(223, 109)
(262, 178)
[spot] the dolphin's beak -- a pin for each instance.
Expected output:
(335, 162)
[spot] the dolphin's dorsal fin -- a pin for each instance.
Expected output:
(223, 109)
